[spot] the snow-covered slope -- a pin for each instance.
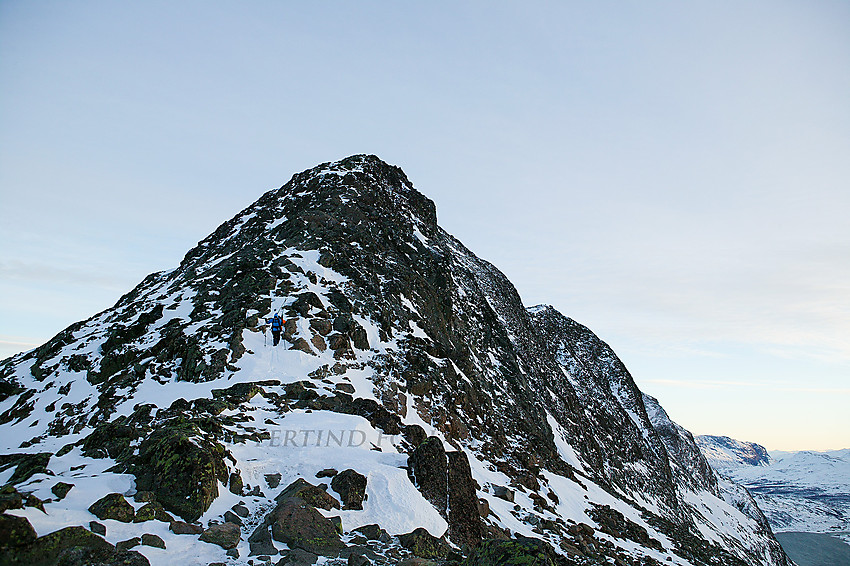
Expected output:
(798, 491)
(405, 359)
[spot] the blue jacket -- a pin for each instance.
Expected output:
(276, 323)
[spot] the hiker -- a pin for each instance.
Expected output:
(277, 324)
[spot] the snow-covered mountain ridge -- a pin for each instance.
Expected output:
(407, 364)
(803, 491)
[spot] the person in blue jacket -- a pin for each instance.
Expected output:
(277, 326)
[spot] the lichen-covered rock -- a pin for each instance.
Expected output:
(152, 511)
(351, 486)
(182, 467)
(113, 506)
(424, 545)
(15, 531)
(300, 526)
(61, 489)
(515, 552)
(72, 546)
(225, 535)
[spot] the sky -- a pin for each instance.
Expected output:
(674, 175)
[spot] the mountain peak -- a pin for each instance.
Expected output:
(362, 178)
(507, 421)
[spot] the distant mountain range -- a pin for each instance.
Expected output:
(797, 491)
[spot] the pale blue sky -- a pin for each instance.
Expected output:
(672, 174)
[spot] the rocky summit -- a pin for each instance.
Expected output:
(413, 412)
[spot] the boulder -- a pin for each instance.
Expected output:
(152, 540)
(299, 525)
(225, 535)
(313, 495)
(97, 528)
(272, 480)
(260, 542)
(128, 544)
(113, 506)
(184, 528)
(503, 492)
(297, 557)
(182, 468)
(351, 486)
(61, 489)
(374, 532)
(423, 544)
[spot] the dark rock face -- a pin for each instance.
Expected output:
(113, 506)
(464, 519)
(351, 486)
(428, 469)
(445, 479)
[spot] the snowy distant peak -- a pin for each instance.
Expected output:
(724, 452)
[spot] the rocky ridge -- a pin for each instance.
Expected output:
(478, 427)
